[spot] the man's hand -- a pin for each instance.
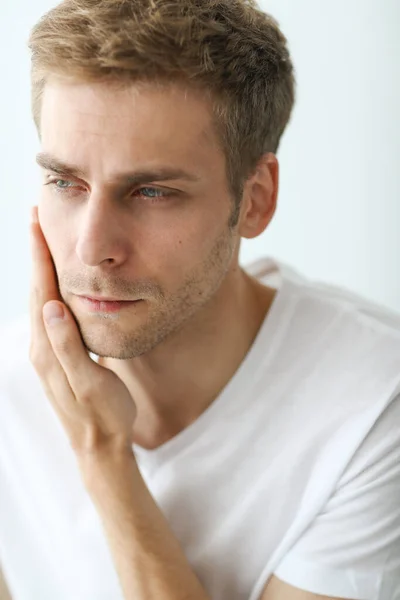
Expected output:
(93, 404)
(98, 414)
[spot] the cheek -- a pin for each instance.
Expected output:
(175, 251)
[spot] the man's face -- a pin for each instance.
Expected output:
(166, 242)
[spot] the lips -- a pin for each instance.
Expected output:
(106, 306)
(101, 299)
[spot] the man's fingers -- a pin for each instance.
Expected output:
(44, 285)
(67, 346)
(44, 275)
(43, 288)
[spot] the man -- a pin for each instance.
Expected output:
(185, 428)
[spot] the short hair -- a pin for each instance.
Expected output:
(229, 49)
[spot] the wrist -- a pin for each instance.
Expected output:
(108, 468)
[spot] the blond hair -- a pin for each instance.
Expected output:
(230, 49)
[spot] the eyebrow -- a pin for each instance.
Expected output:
(51, 163)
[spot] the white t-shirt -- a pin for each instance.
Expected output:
(293, 470)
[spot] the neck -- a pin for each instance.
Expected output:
(177, 381)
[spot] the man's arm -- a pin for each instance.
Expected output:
(148, 558)
(278, 590)
(4, 593)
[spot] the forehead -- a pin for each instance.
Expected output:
(132, 118)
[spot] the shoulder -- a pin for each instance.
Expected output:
(354, 341)
(363, 310)
(353, 318)
(321, 302)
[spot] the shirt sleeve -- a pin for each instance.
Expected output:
(352, 549)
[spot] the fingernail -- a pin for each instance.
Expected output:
(53, 312)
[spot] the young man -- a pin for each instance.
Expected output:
(188, 428)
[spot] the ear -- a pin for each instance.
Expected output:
(260, 197)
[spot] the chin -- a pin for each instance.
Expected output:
(114, 346)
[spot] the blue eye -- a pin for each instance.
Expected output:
(62, 187)
(157, 193)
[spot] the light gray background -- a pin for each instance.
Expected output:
(339, 205)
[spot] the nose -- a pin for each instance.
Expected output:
(100, 235)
